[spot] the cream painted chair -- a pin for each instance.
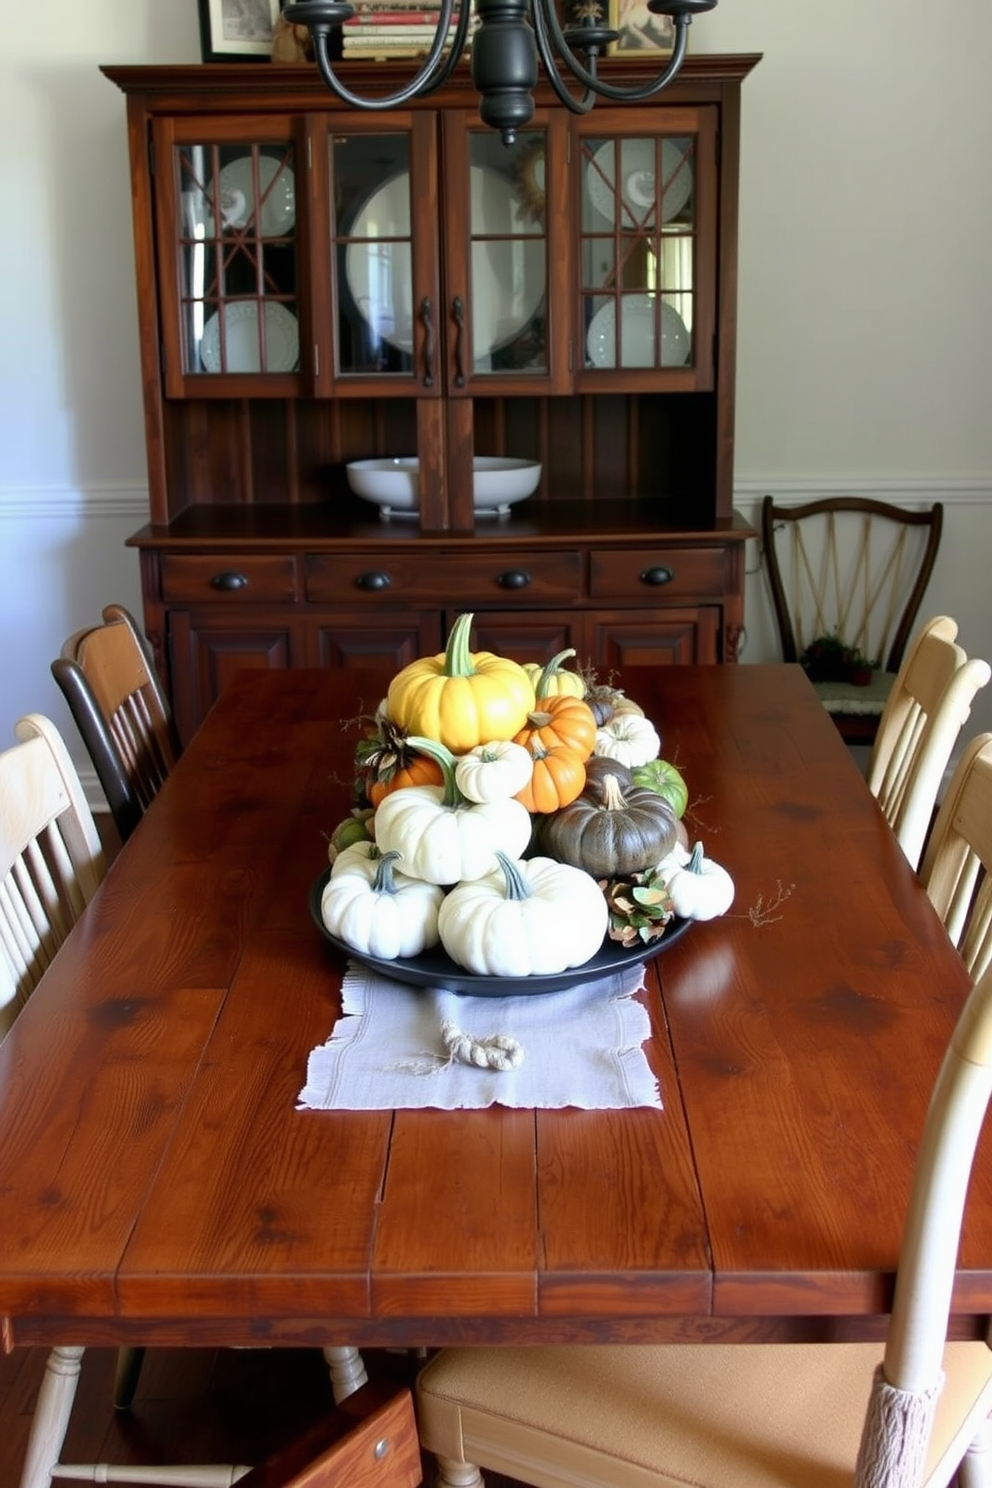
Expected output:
(51, 865)
(929, 704)
(756, 1415)
(957, 865)
(51, 861)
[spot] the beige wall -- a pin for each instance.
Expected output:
(865, 352)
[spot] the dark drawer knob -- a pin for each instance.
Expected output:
(373, 580)
(513, 578)
(228, 581)
(656, 576)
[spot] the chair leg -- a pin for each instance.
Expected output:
(975, 1470)
(347, 1371)
(129, 1362)
(51, 1416)
(457, 1474)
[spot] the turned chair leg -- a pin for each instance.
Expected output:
(975, 1470)
(51, 1416)
(457, 1474)
(347, 1371)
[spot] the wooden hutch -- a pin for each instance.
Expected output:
(318, 285)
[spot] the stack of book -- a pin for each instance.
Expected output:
(393, 28)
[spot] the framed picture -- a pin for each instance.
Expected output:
(640, 31)
(237, 30)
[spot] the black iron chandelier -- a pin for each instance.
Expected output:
(510, 38)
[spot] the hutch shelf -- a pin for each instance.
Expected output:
(318, 285)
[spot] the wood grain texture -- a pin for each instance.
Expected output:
(159, 1186)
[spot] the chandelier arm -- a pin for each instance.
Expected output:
(626, 95)
(431, 75)
(546, 53)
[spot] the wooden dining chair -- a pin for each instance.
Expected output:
(120, 707)
(929, 704)
(756, 1415)
(956, 870)
(849, 570)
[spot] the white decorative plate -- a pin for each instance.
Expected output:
(508, 277)
(637, 335)
(282, 338)
(638, 192)
(237, 196)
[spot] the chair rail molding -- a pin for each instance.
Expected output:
(42, 503)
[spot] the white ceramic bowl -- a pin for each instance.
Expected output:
(497, 483)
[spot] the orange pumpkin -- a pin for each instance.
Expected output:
(557, 780)
(417, 770)
(560, 720)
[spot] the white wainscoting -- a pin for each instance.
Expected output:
(63, 557)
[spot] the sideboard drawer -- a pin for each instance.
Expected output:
(228, 577)
(667, 572)
(455, 578)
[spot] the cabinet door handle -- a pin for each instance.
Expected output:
(374, 579)
(513, 578)
(229, 580)
(427, 318)
(656, 576)
(458, 316)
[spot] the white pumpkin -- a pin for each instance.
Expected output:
(444, 844)
(699, 887)
(376, 910)
(630, 738)
(493, 772)
(530, 918)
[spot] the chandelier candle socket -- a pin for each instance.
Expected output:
(510, 39)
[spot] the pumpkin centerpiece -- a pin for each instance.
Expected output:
(517, 814)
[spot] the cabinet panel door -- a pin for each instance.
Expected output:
(209, 649)
(339, 640)
(524, 635)
(654, 638)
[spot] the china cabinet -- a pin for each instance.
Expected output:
(318, 286)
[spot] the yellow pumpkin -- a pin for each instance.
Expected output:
(461, 698)
(550, 678)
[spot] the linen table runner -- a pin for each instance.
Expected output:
(581, 1047)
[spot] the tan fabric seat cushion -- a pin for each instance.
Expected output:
(713, 1416)
(848, 697)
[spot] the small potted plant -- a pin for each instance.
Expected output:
(830, 659)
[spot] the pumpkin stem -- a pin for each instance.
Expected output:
(550, 669)
(450, 794)
(613, 796)
(695, 863)
(458, 659)
(516, 884)
(384, 883)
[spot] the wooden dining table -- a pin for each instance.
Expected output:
(159, 1185)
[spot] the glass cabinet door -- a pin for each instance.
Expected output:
(234, 220)
(505, 232)
(508, 254)
(372, 227)
(643, 303)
